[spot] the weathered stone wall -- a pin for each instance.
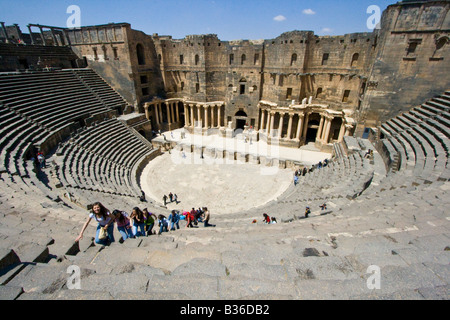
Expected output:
(145, 69)
(339, 67)
(285, 60)
(106, 50)
(412, 60)
(241, 73)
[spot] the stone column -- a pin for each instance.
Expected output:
(186, 116)
(161, 119)
(327, 132)
(213, 117)
(219, 116)
(42, 36)
(31, 35)
(268, 122)
(272, 122)
(341, 131)
(155, 108)
(172, 111)
(5, 33)
(325, 125)
(191, 106)
(299, 126)
(199, 115)
(280, 125)
(147, 113)
(305, 126)
(319, 131)
(55, 41)
(289, 132)
(169, 120)
(206, 117)
(177, 112)
(18, 32)
(66, 38)
(263, 113)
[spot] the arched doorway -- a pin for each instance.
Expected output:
(241, 120)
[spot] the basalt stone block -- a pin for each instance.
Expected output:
(8, 258)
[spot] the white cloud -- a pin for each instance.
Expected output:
(279, 18)
(309, 11)
(327, 30)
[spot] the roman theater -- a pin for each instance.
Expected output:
(359, 122)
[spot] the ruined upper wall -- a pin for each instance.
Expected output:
(412, 60)
(105, 49)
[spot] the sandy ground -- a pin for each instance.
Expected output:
(223, 188)
(222, 185)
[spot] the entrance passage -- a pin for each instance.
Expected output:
(240, 124)
(311, 135)
(241, 120)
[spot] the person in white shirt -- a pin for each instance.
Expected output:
(105, 221)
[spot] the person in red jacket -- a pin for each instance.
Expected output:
(266, 218)
(190, 218)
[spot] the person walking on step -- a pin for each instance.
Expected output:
(174, 219)
(165, 200)
(266, 218)
(323, 207)
(142, 197)
(150, 221)
(105, 224)
(138, 222)
(190, 218)
(207, 217)
(295, 180)
(123, 224)
(163, 224)
(307, 212)
(41, 160)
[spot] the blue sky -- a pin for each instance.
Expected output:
(229, 19)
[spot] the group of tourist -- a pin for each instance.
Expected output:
(139, 223)
(308, 209)
(302, 172)
(172, 197)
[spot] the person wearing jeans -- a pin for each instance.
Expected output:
(123, 224)
(163, 224)
(138, 222)
(174, 219)
(105, 221)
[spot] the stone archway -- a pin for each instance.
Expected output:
(241, 120)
